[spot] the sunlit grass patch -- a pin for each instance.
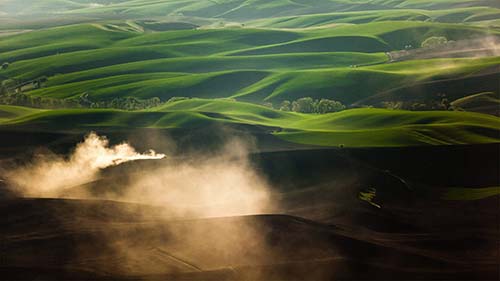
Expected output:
(471, 193)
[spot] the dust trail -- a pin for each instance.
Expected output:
(174, 229)
(222, 183)
(184, 192)
(50, 175)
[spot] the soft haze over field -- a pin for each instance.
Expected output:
(249, 139)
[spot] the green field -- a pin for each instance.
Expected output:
(467, 194)
(249, 139)
(8, 112)
(350, 128)
(254, 65)
(457, 15)
(254, 53)
(239, 10)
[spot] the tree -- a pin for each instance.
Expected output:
(9, 83)
(393, 104)
(268, 104)
(5, 65)
(326, 106)
(174, 99)
(286, 105)
(445, 104)
(42, 79)
(83, 100)
(418, 106)
(154, 102)
(434, 41)
(304, 105)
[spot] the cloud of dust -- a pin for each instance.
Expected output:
(198, 226)
(458, 53)
(220, 183)
(50, 175)
(491, 45)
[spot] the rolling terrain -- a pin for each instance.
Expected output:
(255, 65)
(351, 128)
(249, 139)
(324, 231)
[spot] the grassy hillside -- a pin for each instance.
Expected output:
(346, 63)
(350, 128)
(261, 52)
(487, 102)
(239, 10)
(402, 130)
(457, 15)
(8, 112)
(256, 78)
(468, 194)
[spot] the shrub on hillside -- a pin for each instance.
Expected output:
(304, 105)
(285, 105)
(434, 41)
(309, 105)
(268, 104)
(418, 105)
(174, 99)
(9, 83)
(326, 106)
(82, 101)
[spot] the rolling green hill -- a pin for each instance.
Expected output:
(458, 15)
(256, 78)
(154, 15)
(360, 53)
(487, 102)
(345, 63)
(8, 112)
(227, 9)
(352, 132)
(350, 128)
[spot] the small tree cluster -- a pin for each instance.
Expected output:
(174, 99)
(83, 101)
(15, 85)
(310, 105)
(37, 83)
(434, 41)
(442, 104)
(268, 104)
(126, 103)
(22, 99)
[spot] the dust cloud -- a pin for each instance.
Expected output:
(49, 175)
(492, 45)
(195, 212)
(220, 183)
(223, 184)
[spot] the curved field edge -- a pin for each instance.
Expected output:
(364, 127)
(467, 194)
